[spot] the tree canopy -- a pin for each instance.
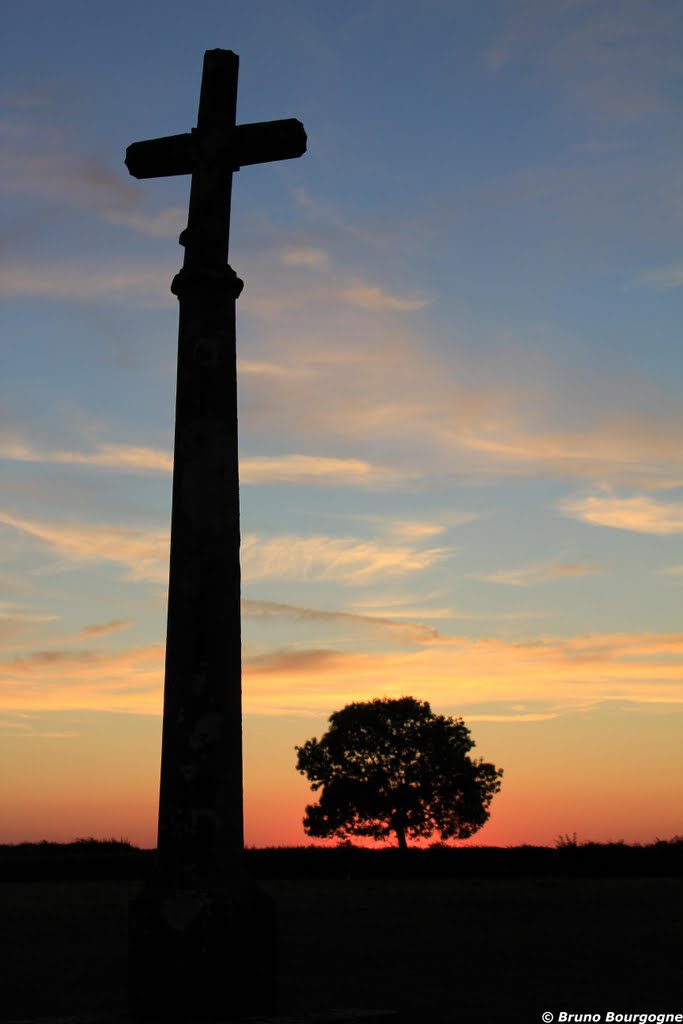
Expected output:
(394, 767)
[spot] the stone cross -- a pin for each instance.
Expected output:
(201, 936)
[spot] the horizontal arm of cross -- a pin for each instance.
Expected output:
(245, 144)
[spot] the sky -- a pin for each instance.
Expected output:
(459, 359)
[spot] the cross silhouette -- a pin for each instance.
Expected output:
(211, 152)
(201, 938)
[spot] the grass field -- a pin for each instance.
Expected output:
(438, 951)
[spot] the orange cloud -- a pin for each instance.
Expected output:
(373, 378)
(166, 224)
(539, 572)
(561, 674)
(640, 452)
(640, 514)
(305, 256)
(143, 552)
(345, 559)
(315, 470)
(265, 368)
(410, 632)
(326, 291)
(499, 680)
(129, 681)
(416, 529)
(104, 628)
(17, 625)
(311, 470)
(371, 297)
(132, 458)
(437, 414)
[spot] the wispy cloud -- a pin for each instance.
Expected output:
(305, 276)
(637, 451)
(399, 605)
(437, 412)
(104, 628)
(420, 529)
(567, 673)
(391, 386)
(343, 225)
(130, 458)
(263, 368)
(309, 470)
(325, 294)
(72, 178)
(41, 158)
(368, 296)
(612, 58)
(346, 560)
(80, 281)
(167, 223)
(414, 529)
(316, 471)
(397, 629)
(556, 674)
(26, 728)
(66, 679)
(640, 513)
(143, 553)
(663, 277)
(17, 630)
(305, 256)
(540, 572)
(429, 420)
(18, 625)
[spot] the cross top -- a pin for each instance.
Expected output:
(211, 152)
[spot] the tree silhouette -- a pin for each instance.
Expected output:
(393, 766)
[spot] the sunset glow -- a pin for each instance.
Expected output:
(459, 369)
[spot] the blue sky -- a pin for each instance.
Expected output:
(460, 376)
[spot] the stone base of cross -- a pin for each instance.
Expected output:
(205, 953)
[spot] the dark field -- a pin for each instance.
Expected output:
(446, 950)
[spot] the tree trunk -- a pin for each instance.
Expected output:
(401, 836)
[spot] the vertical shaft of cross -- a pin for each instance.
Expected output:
(208, 225)
(202, 934)
(200, 808)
